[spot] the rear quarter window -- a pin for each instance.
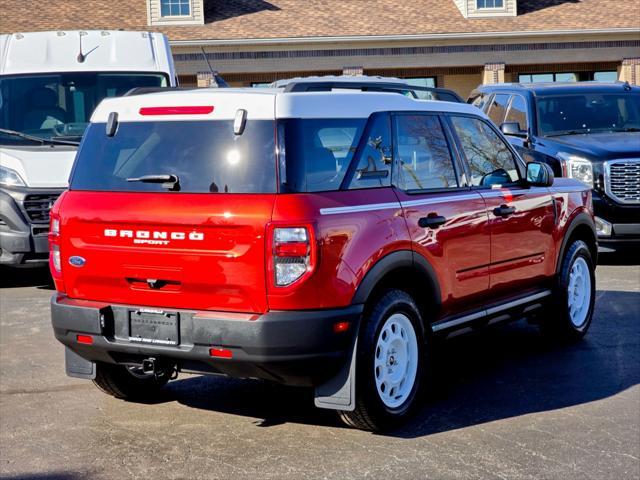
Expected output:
(206, 156)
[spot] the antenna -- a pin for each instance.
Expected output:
(216, 80)
(80, 56)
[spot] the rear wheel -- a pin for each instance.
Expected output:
(129, 382)
(390, 363)
(572, 310)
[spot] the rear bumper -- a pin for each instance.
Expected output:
(21, 243)
(290, 347)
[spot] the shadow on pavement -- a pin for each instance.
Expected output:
(498, 373)
(47, 476)
(25, 277)
(627, 256)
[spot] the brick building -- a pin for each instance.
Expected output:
(454, 44)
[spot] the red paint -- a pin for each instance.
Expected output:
(181, 110)
(228, 267)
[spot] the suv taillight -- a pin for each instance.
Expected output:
(54, 246)
(292, 254)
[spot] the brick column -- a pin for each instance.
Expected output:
(493, 73)
(630, 71)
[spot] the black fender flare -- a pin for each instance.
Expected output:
(396, 260)
(583, 218)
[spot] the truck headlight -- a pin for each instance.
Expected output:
(10, 178)
(576, 167)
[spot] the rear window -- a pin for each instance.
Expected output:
(205, 156)
(318, 152)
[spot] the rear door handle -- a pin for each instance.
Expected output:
(504, 211)
(432, 221)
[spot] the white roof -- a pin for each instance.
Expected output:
(339, 78)
(270, 104)
(40, 52)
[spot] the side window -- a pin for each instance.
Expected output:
(423, 155)
(498, 108)
(480, 101)
(374, 164)
(490, 160)
(518, 112)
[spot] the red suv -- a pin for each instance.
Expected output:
(315, 239)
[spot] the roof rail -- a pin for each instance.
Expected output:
(432, 93)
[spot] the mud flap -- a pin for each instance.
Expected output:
(77, 366)
(339, 392)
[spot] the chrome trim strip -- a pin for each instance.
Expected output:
(384, 206)
(607, 179)
(490, 311)
(359, 208)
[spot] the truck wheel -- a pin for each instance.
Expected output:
(389, 363)
(128, 383)
(571, 312)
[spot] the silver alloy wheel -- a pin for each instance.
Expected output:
(579, 292)
(396, 360)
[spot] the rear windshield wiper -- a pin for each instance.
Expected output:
(33, 138)
(170, 181)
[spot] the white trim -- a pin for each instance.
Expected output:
(398, 38)
(453, 197)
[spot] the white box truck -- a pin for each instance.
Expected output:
(50, 83)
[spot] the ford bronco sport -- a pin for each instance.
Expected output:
(315, 239)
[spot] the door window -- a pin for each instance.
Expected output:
(374, 164)
(489, 158)
(423, 154)
(518, 112)
(498, 108)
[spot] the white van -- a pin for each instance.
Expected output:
(50, 83)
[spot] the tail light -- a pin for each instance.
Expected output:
(55, 260)
(293, 254)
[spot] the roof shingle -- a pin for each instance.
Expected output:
(241, 19)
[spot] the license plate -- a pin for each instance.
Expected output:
(154, 326)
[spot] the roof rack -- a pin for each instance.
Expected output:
(145, 90)
(431, 93)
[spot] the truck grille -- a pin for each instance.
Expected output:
(622, 180)
(38, 206)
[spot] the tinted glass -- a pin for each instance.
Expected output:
(488, 156)
(518, 112)
(424, 158)
(318, 152)
(60, 105)
(605, 76)
(480, 100)
(586, 113)
(498, 108)
(421, 82)
(375, 158)
(206, 157)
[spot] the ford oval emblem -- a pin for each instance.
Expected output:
(77, 261)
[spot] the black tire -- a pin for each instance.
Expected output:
(118, 381)
(557, 323)
(371, 413)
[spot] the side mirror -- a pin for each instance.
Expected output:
(513, 129)
(539, 174)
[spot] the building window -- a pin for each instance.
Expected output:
(604, 76)
(421, 82)
(175, 8)
(490, 4)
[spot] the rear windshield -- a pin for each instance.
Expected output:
(318, 152)
(205, 156)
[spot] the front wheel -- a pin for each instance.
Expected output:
(389, 363)
(572, 310)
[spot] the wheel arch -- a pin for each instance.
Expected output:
(408, 271)
(582, 228)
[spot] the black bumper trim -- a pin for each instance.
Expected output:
(292, 347)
